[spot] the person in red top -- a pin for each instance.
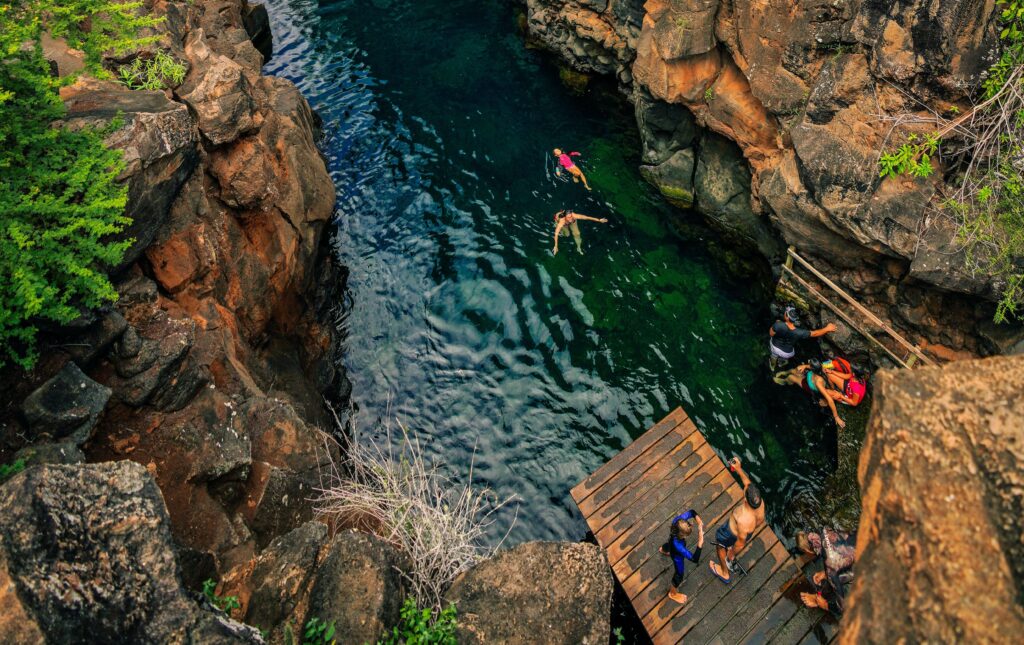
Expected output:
(565, 161)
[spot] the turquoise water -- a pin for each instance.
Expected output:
(457, 318)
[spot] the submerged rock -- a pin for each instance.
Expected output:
(551, 592)
(86, 556)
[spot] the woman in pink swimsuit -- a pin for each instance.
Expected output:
(565, 161)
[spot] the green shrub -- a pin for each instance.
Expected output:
(152, 74)
(224, 603)
(60, 200)
(422, 627)
(10, 470)
(983, 161)
(317, 632)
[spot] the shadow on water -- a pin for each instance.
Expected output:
(457, 317)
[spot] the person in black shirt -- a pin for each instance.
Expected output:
(785, 333)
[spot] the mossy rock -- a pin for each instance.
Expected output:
(576, 82)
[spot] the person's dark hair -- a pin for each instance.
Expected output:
(791, 314)
(681, 529)
(753, 495)
(815, 365)
(860, 372)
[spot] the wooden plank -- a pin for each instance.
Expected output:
(842, 314)
(799, 625)
(582, 490)
(671, 622)
(823, 631)
(665, 467)
(753, 610)
(862, 309)
(637, 469)
(638, 585)
(687, 469)
(709, 475)
(768, 627)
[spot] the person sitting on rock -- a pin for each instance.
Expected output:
(675, 548)
(736, 532)
(810, 379)
(785, 333)
(837, 550)
(565, 161)
(567, 220)
(850, 382)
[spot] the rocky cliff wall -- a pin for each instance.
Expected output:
(940, 551)
(769, 115)
(206, 370)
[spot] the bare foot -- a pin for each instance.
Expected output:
(678, 597)
(717, 570)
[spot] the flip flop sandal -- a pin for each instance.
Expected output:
(711, 565)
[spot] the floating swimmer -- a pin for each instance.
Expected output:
(565, 161)
(567, 220)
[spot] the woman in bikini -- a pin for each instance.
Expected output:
(847, 381)
(565, 222)
(808, 377)
(565, 161)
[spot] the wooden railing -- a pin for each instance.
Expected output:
(914, 353)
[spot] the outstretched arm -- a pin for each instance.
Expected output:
(827, 329)
(820, 382)
(738, 468)
(592, 219)
(558, 229)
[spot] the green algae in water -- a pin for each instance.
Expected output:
(457, 319)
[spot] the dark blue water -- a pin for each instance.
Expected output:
(459, 321)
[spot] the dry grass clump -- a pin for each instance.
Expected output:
(390, 488)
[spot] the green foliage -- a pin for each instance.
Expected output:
(709, 94)
(317, 632)
(224, 603)
(10, 470)
(422, 627)
(60, 201)
(152, 74)
(913, 158)
(620, 638)
(989, 205)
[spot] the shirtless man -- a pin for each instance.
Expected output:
(733, 535)
(565, 222)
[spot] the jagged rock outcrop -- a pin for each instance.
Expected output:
(86, 555)
(940, 556)
(207, 366)
(804, 91)
(551, 592)
(354, 580)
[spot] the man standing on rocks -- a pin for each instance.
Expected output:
(734, 534)
(785, 334)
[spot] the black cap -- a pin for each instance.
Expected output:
(792, 314)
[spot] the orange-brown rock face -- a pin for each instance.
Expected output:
(209, 352)
(806, 92)
(940, 556)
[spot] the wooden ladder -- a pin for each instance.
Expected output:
(914, 353)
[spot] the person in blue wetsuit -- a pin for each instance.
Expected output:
(675, 548)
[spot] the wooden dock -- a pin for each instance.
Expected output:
(628, 504)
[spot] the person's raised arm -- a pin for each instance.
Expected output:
(827, 329)
(737, 467)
